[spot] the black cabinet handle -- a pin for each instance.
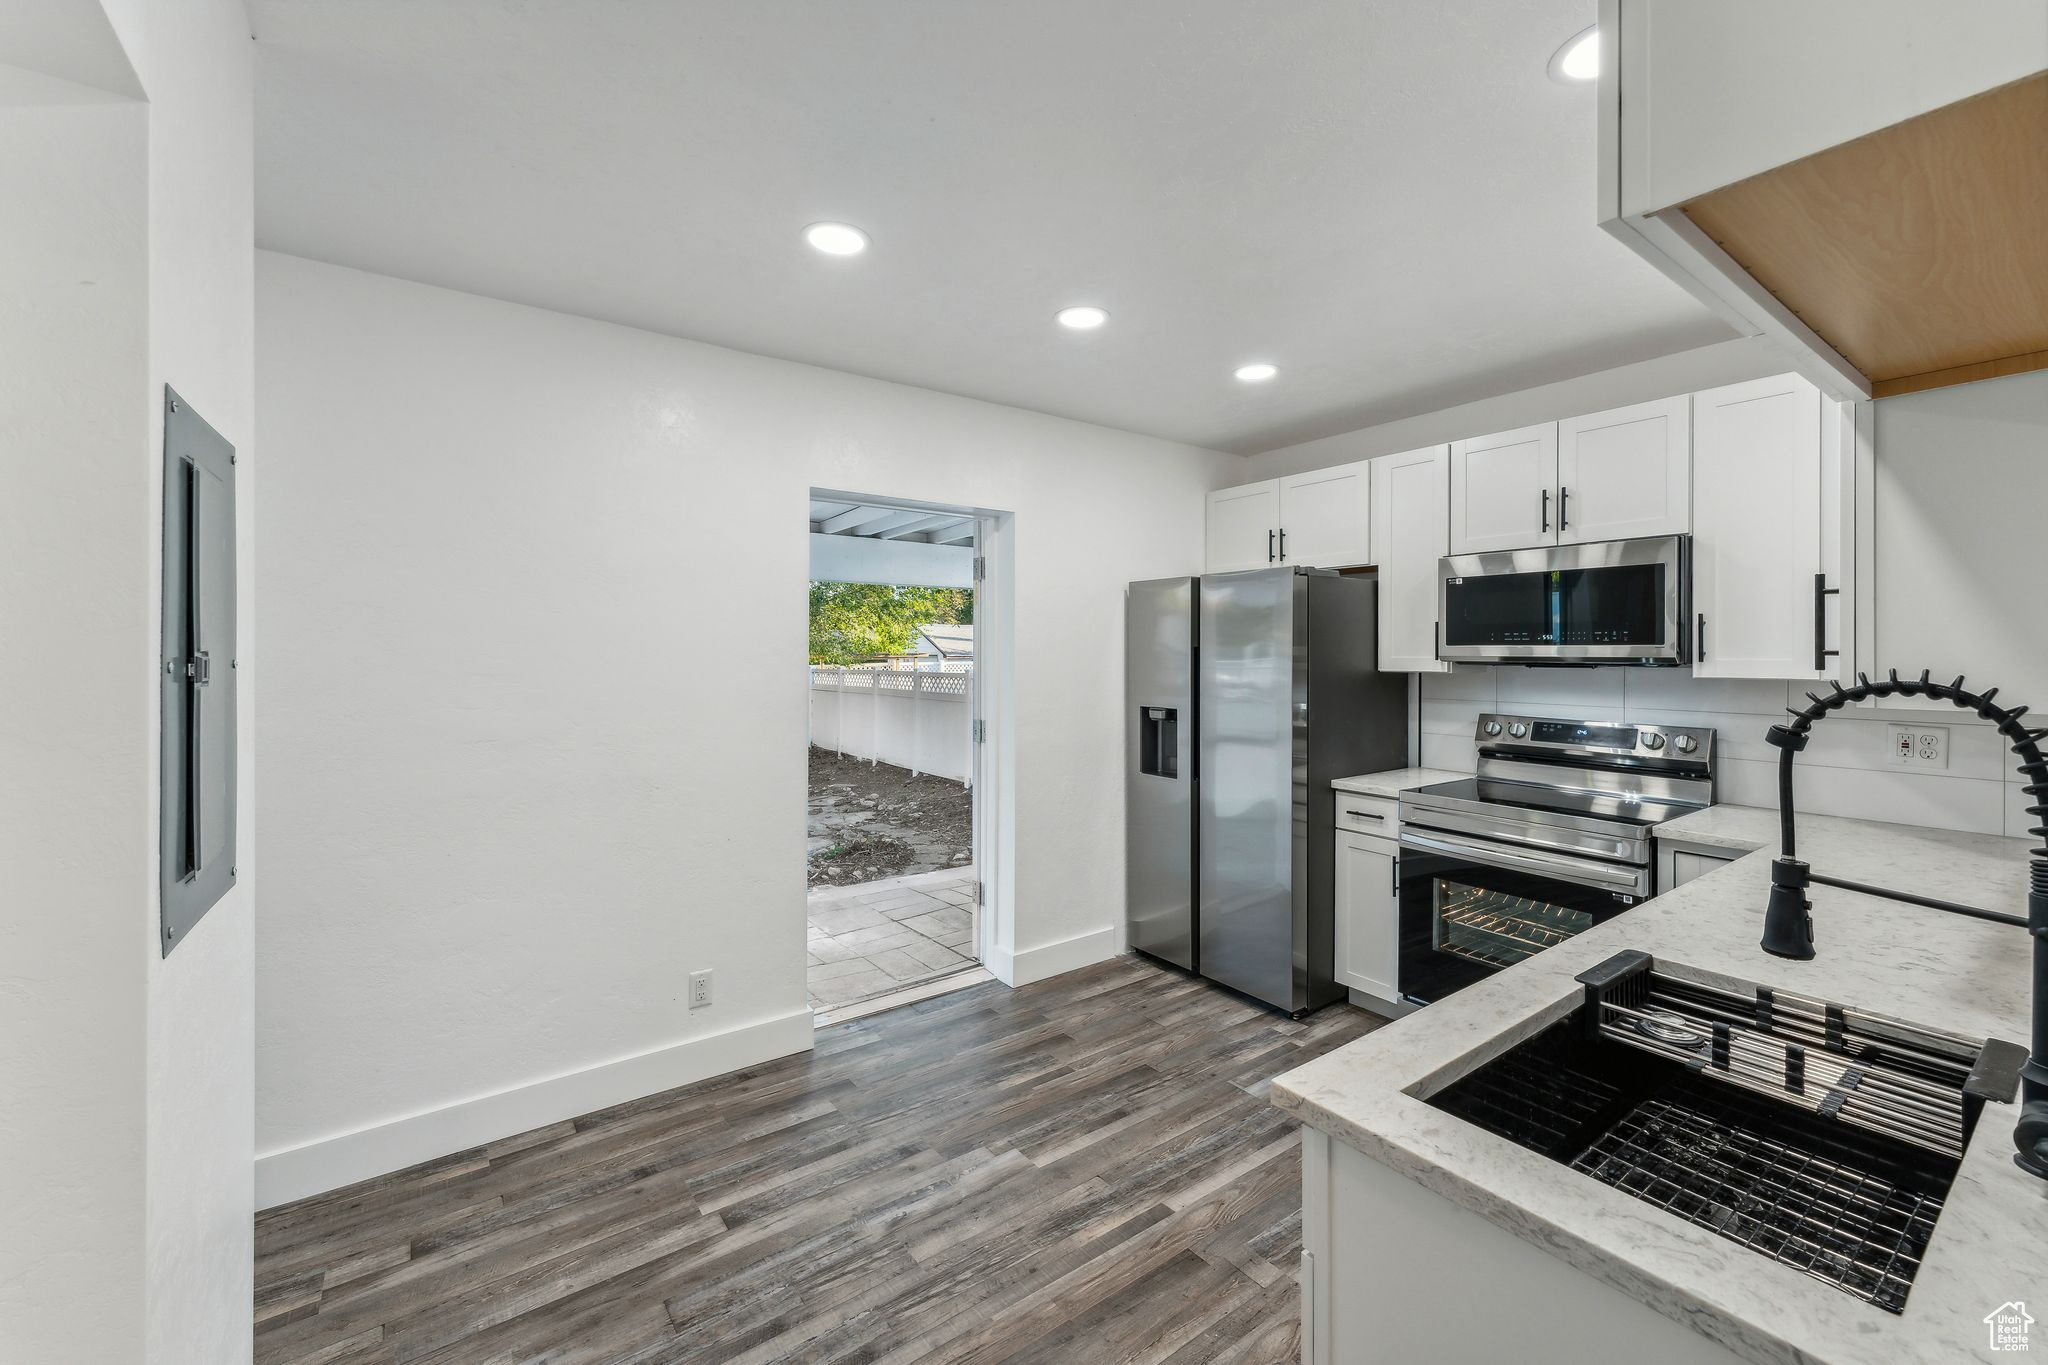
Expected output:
(1546, 511)
(1700, 654)
(1283, 545)
(1397, 874)
(1564, 508)
(1269, 547)
(1821, 593)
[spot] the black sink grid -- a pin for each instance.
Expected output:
(1849, 1207)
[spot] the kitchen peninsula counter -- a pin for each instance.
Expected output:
(1379, 1159)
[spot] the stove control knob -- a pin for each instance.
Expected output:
(1686, 744)
(1492, 728)
(1518, 730)
(1653, 741)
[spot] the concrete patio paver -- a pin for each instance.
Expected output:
(876, 937)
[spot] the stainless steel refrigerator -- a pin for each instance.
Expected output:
(1245, 695)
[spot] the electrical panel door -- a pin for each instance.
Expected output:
(198, 661)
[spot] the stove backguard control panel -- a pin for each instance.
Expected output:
(1609, 741)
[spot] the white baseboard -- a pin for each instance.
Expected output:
(330, 1163)
(1051, 959)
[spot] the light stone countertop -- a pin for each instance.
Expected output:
(1966, 976)
(1743, 828)
(1395, 781)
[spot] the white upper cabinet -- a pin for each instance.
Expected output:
(1625, 473)
(1757, 471)
(1503, 490)
(1325, 517)
(1411, 531)
(1813, 75)
(1322, 519)
(1244, 527)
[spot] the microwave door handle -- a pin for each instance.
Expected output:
(1528, 860)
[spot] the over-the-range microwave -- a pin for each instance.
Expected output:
(1607, 602)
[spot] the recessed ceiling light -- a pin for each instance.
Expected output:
(836, 239)
(1257, 373)
(1082, 317)
(1579, 59)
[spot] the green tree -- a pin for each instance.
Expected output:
(855, 622)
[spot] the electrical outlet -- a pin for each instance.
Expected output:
(700, 989)
(1920, 746)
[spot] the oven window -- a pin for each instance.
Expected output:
(1498, 928)
(1462, 921)
(1612, 605)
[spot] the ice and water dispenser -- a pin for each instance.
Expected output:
(1159, 740)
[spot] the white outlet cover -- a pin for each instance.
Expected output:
(1918, 746)
(700, 989)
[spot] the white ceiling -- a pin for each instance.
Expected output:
(1391, 201)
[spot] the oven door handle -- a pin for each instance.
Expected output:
(1627, 879)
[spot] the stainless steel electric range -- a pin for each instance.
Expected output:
(1552, 836)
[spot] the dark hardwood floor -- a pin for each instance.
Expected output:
(1078, 1171)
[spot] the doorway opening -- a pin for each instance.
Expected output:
(894, 882)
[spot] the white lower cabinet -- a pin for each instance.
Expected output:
(1390, 1273)
(1368, 914)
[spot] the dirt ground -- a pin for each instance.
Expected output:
(873, 821)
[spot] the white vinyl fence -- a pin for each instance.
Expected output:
(916, 719)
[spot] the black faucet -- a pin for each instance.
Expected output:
(1788, 921)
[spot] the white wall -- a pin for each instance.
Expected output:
(76, 749)
(506, 808)
(125, 262)
(863, 559)
(1706, 367)
(196, 64)
(1961, 484)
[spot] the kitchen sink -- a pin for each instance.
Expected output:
(1821, 1138)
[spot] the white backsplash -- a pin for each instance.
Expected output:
(1845, 770)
